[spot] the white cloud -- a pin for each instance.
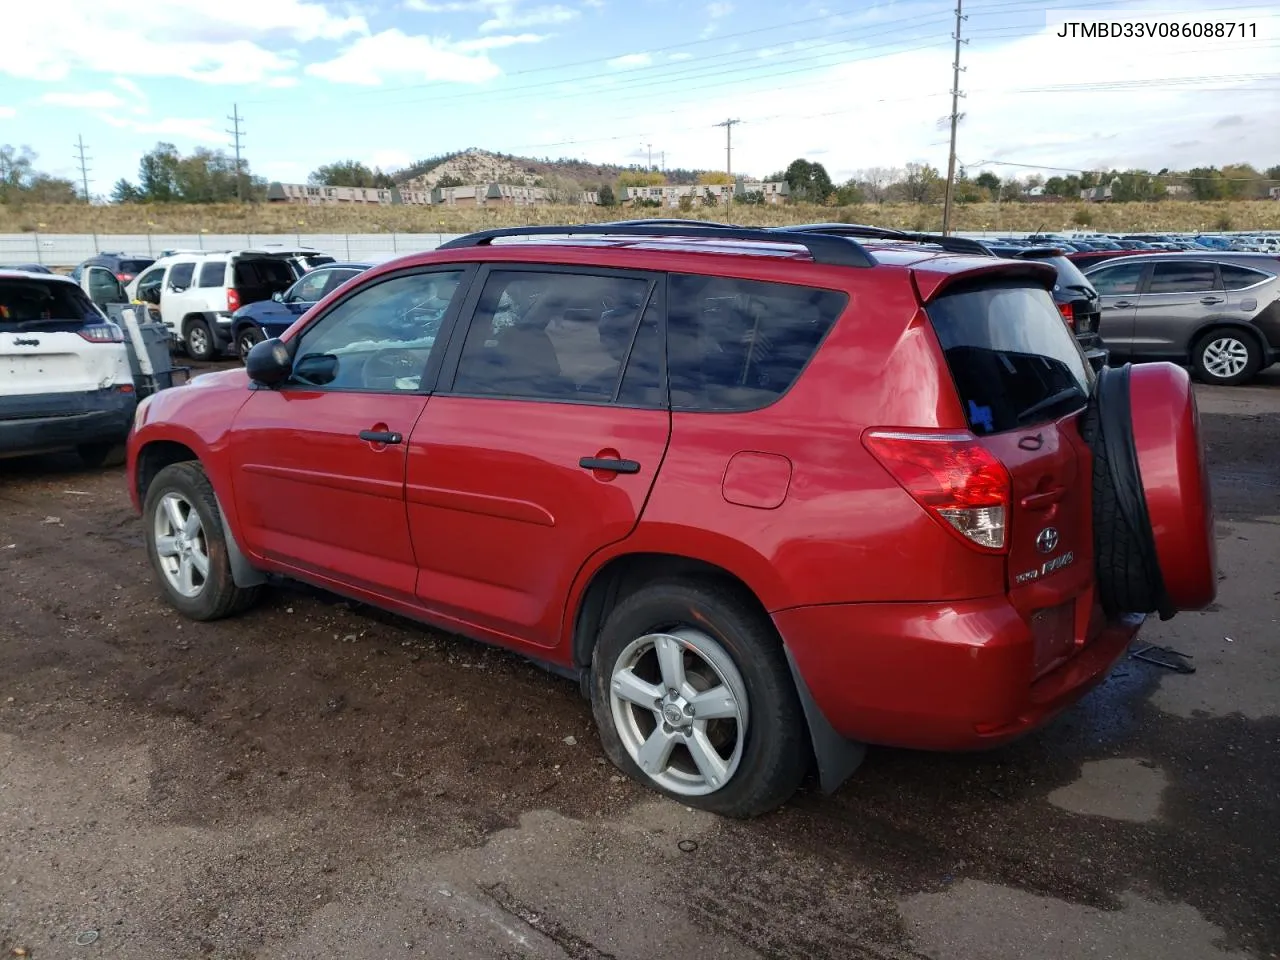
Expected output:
(718, 9)
(498, 42)
(191, 128)
(227, 41)
(390, 159)
(8, 113)
(511, 16)
(128, 86)
(393, 53)
(631, 60)
(89, 100)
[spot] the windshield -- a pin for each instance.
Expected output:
(29, 304)
(1013, 360)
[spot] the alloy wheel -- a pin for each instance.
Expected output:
(181, 545)
(1226, 357)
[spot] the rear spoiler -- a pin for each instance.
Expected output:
(932, 283)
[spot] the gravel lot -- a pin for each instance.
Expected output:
(316, 779)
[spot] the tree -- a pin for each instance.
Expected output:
(1243, 182)
(350, 173)
(874, 182)
(808, 181)
(449, 180)
(715, 177)
(207, 176)
(641, 178)
(989, 182)
(125, 192)
(21, 181)
(42, 188)
(1206, 183)
(158, 174)
(1273, 173)
(561, 189)
(1011, 189)
(606, 195)
(849, 193)
(921, 183)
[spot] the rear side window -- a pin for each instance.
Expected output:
(213, 273)
(740, 344)
(1237, 278)
(181, 274)
(44, 305)
(1069, 275)
(1013, 360)
(1182, 278)
(134, 267)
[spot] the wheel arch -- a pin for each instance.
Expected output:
(1227, 323)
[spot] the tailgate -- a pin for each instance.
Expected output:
(38, 361)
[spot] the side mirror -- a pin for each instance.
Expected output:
(269, 363)
(278, 297)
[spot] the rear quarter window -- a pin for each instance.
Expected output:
(213, 273)
(1013, 360)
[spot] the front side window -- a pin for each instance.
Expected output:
(180, 276)
(554, 336)
(1183, 278)
(380, 338)
(1122, 279)
(149, 284)
(740, 344)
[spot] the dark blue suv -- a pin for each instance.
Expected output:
(270, 318)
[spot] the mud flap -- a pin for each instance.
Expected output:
(836, 756)
(243, 573)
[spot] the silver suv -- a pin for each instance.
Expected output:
(1217, 311)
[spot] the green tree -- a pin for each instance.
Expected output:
(158, 174)
(1206, 183)
(808, 181)
(125, 192)
(607, 197)
(850, 193)
(449, 180)
(20, 181)
(641, 178)
(1243, 182)
(1273, 174)
(989, 182)
(922, 183)
(1134, 185)
(42, 188)
(350, 173)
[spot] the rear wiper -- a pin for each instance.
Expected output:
(1048, 403)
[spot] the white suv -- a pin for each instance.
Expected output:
(65, 381)
(195, 293)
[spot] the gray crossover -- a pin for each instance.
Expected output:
(1218, 312)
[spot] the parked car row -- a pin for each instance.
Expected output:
(648, 466)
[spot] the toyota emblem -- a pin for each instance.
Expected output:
(1047, 540)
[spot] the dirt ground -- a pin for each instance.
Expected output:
(316, 779)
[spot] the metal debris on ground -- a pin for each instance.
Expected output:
(687, 846)
(86, 937)
(1163, 657)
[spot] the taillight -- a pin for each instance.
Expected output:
(102, 333)
(233, 299)
(953, 477)
(124, 277)
(1068, 314)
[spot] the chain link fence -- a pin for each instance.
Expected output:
(65, 250)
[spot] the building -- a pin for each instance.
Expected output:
(1274, 193)
(707, 194)
(311, 193)
(474, 195)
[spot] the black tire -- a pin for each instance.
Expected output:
(203, 347)
(248, 336)
(1243, 345)
(218, 596)
(94, 455)
(1125, 559)
(776, 753)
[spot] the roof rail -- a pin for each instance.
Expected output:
(832, 250)
(950, 244)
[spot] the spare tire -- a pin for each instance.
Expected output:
(1152, 514)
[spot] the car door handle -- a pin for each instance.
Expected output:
(381, 436)
(1043, 500)
(1122, 303)
(1211, 300)
(609, 465)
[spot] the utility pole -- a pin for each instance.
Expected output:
(728, 144)
(663, 154)
(649, 147)
(84, 165)
(955, 120)
(235, 133)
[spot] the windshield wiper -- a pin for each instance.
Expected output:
(1048, 403)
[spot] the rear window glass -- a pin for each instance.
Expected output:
(1069, 275)
(213, 273)
(1013, 360)
(44, 305)
(740, 344)
(264, 272)
(133, 266)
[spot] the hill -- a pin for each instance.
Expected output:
(481, 166)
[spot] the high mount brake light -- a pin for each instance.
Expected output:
(954, 478)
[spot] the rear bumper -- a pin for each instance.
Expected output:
(955, 676)
(38, 423)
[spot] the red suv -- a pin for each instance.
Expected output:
(770, 495)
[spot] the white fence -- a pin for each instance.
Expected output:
(68, 249)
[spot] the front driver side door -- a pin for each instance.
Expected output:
(319, 463)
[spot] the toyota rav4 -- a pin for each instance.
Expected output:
(769, 495)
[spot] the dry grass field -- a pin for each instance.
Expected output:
(280, 218)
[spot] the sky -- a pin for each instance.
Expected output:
(853, 84)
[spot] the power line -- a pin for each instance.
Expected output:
(236, 134)
(84, 165)
(728, 144)
(955, 120)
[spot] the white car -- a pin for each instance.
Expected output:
(195, 293)
(65, 380)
